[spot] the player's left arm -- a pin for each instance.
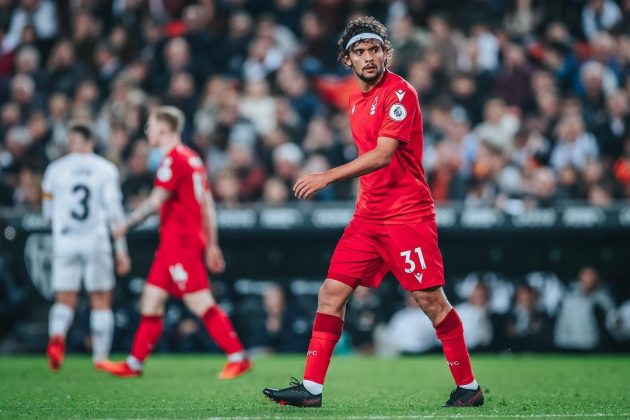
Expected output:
(214, 255)
(147, 207)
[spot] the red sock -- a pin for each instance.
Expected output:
(221, 330)
(147, 335)
(326, 332)
(451, 333)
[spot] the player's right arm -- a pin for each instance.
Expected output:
(166, 181)
(147, 207)
(116, 217)
(368, 162)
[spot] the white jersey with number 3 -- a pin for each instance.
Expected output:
(85, 198)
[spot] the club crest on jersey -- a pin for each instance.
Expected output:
(397, 112)
(373, 108)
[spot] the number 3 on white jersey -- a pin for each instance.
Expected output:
(410, 263)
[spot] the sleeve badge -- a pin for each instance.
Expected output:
(397, 112)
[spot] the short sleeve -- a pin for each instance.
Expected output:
(47, 181)
(399, 107)
(113, 196)
(168, 174)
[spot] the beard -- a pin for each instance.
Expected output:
(371, 79)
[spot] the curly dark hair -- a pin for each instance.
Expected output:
(360, 25)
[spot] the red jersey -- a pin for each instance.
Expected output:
(397, 193)
(183, 174)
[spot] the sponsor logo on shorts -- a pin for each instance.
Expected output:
(179, 275)
(419, 277)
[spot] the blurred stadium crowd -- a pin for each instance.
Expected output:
(525, 102)
(537, 312)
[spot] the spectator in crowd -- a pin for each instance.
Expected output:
(63, 70)
(40, 15)
(138, 179)
(550, 290)
(585, 316)
(408, 332)
(362, 316)
(282, 328)
(599, 15)
(622, 326)
(528, 327)
(615, 128)
(574, 145)
(287, 159)
(275, 192)
(258, 106)
(475, 315)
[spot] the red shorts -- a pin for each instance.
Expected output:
(179, 272)
(366, 252)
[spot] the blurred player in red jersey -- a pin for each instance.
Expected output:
(393, 228)
(188, 236)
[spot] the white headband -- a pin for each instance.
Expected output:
(362, 37)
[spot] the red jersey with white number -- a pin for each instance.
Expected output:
(183, 174)
(397, 193)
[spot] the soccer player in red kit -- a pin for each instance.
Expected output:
(188, 236)
(393, 228)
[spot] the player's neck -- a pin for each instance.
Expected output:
(169, 144)
(81, 151)
(368, 86)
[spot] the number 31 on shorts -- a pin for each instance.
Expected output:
(410, 265)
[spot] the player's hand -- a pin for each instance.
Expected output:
(309, 185)
(214, 259)
(120, 231)
(123, 263)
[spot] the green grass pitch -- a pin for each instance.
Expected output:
(550, 386)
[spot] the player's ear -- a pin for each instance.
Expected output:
(346, 60)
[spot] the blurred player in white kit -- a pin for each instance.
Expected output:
(82, 199)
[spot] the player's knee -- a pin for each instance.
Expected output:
(67, 298)
(100, 300)
(330, 300)
(199, 302)
(199, 309)
(152, 304)
(433, 303)
(151, 308)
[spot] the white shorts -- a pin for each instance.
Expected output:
(93, 265)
